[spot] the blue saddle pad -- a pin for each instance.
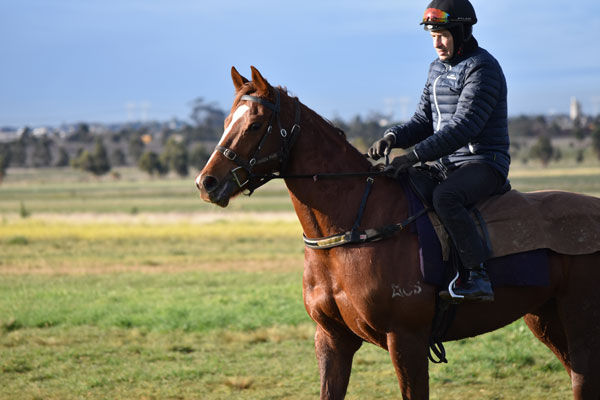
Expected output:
(521, 269)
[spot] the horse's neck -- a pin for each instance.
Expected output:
(325, 206)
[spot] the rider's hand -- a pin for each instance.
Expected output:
(401, 164)
(382, 147)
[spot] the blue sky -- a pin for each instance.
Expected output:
(104, 61)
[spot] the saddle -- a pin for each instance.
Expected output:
(515, 222)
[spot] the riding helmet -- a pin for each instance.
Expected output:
(456, 16)
(445, 14)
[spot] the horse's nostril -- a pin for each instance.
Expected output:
(210, 183)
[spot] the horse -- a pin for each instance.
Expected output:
(351, 292)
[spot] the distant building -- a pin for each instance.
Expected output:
(575, 111)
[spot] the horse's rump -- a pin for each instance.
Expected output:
(565, 222)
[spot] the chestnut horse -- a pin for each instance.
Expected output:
(351, 292)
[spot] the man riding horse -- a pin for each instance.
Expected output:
(461, 125)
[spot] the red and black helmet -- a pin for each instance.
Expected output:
(447, 14)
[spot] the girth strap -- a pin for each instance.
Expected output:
(366, 236)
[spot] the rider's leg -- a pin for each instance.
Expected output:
(463, 188)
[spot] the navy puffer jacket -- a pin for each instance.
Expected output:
(462, 115)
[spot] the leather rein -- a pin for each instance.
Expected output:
(281, 156)
(254, 181)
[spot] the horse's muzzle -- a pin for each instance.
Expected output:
(214, 191)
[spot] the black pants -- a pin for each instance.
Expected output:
(464, 187)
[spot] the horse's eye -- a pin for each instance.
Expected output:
(255, 126)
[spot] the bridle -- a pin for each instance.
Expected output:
(254, 181)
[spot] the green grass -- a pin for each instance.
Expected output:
(195, 301)
(136, 289)
(218, 335)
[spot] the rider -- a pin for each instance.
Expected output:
(461, 124)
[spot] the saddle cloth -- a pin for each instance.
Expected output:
(521, 269)
(565, 222)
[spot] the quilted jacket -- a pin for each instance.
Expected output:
(462, 115)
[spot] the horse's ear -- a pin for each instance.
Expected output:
(238, 80)
(262, 86)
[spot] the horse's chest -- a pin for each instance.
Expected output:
(330, 305)
(330, 309)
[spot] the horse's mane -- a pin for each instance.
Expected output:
(338, 134)
(250, 89)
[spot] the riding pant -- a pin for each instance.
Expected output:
(465, 186)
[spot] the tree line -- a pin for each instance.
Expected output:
(159, 149)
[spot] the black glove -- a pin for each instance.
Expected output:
(382, 147)
(401, 164)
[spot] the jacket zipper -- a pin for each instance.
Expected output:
(435, 101)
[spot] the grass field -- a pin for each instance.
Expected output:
(136, 289)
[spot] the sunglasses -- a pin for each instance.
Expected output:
(435, 16)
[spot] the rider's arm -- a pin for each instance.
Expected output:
(483, 87)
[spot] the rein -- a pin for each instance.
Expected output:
(354, 236)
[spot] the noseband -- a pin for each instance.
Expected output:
(254, 181)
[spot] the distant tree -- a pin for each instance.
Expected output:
(543, 150)
(101, 165)
(150, 163)
(115, 137)
(18, 153)
(208, 119)
(83, 161)
(4, 160)
(554, 130)
(530, 126)
(370, 129)
(26, 134)
(578, 131)
(82, 134)
(136, 146)
(42, 155)
(95, 162)
(118, 158)
(199, 156)
(206, 114)
(2, 167)
(557, 156)
(519, 126)
(174, 157)
(63, 158)
(596, 140)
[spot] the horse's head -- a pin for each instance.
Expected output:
(253, 144)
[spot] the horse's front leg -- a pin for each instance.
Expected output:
(334, 354)
(409, 355)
